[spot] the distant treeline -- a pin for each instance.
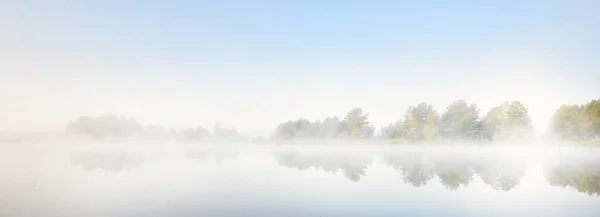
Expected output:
(114, 127)
(421, 123)
(459, 122)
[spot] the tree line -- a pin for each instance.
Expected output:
(420, 123)
(577, 122)
(460, 121)
(114, 127)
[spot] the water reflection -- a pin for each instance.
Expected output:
(217, 153)
(413, 167)
(114, 161)
(352, 165)
(454, 172)
(500, 172)
(457, 169)
(582, 174)
(301, 181)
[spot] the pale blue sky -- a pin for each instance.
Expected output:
(252, 64)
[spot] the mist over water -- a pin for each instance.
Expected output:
(183, 179)
(299, 108)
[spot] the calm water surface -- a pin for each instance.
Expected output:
(172, 179)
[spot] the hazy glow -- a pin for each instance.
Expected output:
(251, 67)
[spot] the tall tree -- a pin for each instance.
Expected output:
(492, 125)
(356, 124)
(590, 126)
(284, 131)
(509, 120)
(303, 128)
(577, 122)
(393, 131)
(566, 122)
(421, 122)
(459, 121)
(517, 115)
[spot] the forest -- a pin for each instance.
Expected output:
(459, 122)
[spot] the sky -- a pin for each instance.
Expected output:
(254, 64)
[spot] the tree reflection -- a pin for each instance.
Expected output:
(116, 161)
(413, 167)
(454, 172)
(353, 166)
(580, 174)
(500, 172)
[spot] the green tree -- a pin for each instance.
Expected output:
(284, 131)
(590, 126)
(576, 122)
(459, 121)
(421, 123)
(305, 129)
(393, 131)
(492, 125)
(566, 122)
(356, 124)
(517, 115)
(509, 120)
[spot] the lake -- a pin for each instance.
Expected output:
(174, 179)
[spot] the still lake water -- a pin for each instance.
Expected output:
(173, 179)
